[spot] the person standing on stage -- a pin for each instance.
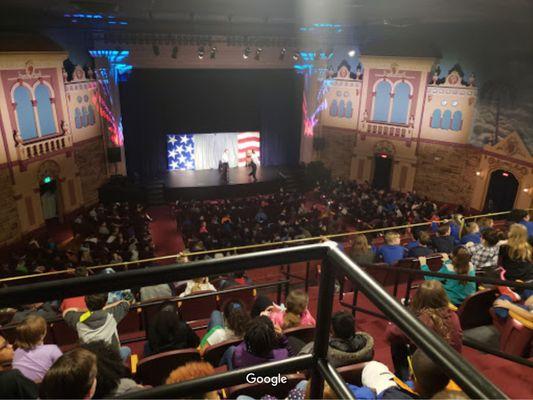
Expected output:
(254, 163)
(224, 161)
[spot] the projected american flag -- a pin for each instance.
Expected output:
(180, 152)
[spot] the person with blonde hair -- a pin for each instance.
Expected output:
(391, 251)
(516, 256)
(200, 284)
(472, 234)
(361, 252)
(32, 357)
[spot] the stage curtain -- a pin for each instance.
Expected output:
(208, 149)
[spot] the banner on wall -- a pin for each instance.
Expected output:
(197, 151)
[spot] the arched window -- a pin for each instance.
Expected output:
(349, 109)
(84, 116)
(446, 120)
(91, 115)
(400, 103)
(25, 116)
(333, 110)
(77, 118)
(382, 102)
(44, 110)
(435, 119)
(342, 109)
(457, 121)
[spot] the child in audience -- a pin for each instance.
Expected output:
(460, 264)
(391, 251)
(485, 223)
(73, 376)
(230, 325)
(361, 252)
(200, 284)
(190, 371)
(13, 385)
(423, 247)
(296, 312)
(32, 357)
(443, 242)
(346, 346)
(485, 254)
(472, 234)
(517, 254)
(503, 305)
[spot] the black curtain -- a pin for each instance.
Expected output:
(155, 103)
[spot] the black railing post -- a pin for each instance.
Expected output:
(326, 291)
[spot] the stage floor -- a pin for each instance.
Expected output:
(207, 184)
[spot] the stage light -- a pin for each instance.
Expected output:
(155, 49)
(258, 52)
(201, 52)
(174, 53)
(506, 174)
(296, 56)
(47, 179)
(384, 156)
(478, 173)
(525, 190)
(351, 53)
(282, 53)
(246, 53)
(213, 52)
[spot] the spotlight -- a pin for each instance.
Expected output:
(213, 52)
(246, 53)
(296, 56)
(351, 53)
(155, 49)
(282, 53)
(174, 53)
(258, 52)
(201, 52)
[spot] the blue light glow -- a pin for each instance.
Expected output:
(114, 56)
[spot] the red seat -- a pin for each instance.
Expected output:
(63, 334)
(258, 390)
(213, 354)
(130, 323)
(516, 339)
(352, 373)
(474, 311)
(434, 262)
(154, 370)
(245, 294)
(198, 308)
(305, 333)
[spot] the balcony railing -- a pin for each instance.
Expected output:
(385, 129)
(38, 148)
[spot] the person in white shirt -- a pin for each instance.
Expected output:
(254, 163)
(224, 165)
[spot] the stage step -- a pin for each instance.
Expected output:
(294, 181)
(155, 192)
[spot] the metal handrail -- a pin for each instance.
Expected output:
(334, 261)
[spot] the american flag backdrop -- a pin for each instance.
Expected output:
(180, 150)
(247, 141)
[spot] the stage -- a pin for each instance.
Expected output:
(206, 184)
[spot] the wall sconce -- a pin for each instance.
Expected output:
(526, 190)
(478, 173)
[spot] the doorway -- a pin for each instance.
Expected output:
(48, 192)
(501, 194)
(382, 171)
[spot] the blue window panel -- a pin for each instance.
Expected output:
(382, 102)
(446, 120)
(457, 121)
(333, 110)
(91, 115)
(77, 118)
(435, 119)
(400, 103)
(45, 110)
(349, 109)
(84, 116)
(342, 109)
(25, 116)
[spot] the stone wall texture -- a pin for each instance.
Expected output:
(91, 163)
(337, 153)
(9, 218)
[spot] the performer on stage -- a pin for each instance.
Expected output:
(254, 163)
(224, 165)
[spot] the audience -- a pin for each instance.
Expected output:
(13, 384)
(200, 284)
(422, 248)
(443, 242)
(229, 325)
(516, 255)
(190, 371)
(485, 254)
(391, 251)
(361, 252)
(472, 234)
(296, 312)
(32, 357)
(522, 217)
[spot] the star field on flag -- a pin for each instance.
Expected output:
(180, 150)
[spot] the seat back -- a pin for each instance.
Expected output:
(258, 390)
(244, 294)
(148, 312)
(213, 354)
(380, 275)
(516, 339)
(352, 373)
(63, 334)
(154, 370)
(130, 323)
(198, 308)
(434, 262)
(304, 333)
(474, 311)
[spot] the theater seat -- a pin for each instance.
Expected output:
(516, 339)
(130, 323)
(352, 373)
(213, 354)
(63, 335)
(304, 333)
(198, 308)
(474, 311)
(154, 370)
(245, 294)
(258, 390)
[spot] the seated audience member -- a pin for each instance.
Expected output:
(431, 306)
(485, 254)
(262, 343)
(516, 256)
(32, 357)
(391, 251)
(200, 284)
(190, 371)
(168, 332)
(361, 252)
(261, 303)
(296, 312)
(117, 295)
(230, 325)
(13, 385)
(73, 376)
(524, 309)
(522, 217)
(100, 321)
(472, 234)
(111, 377)
(460, 264)
(154, 292)
(236, 279)
(485, 223)
(46, 310)
(346, 346)
(443, 242)
(423, 248)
